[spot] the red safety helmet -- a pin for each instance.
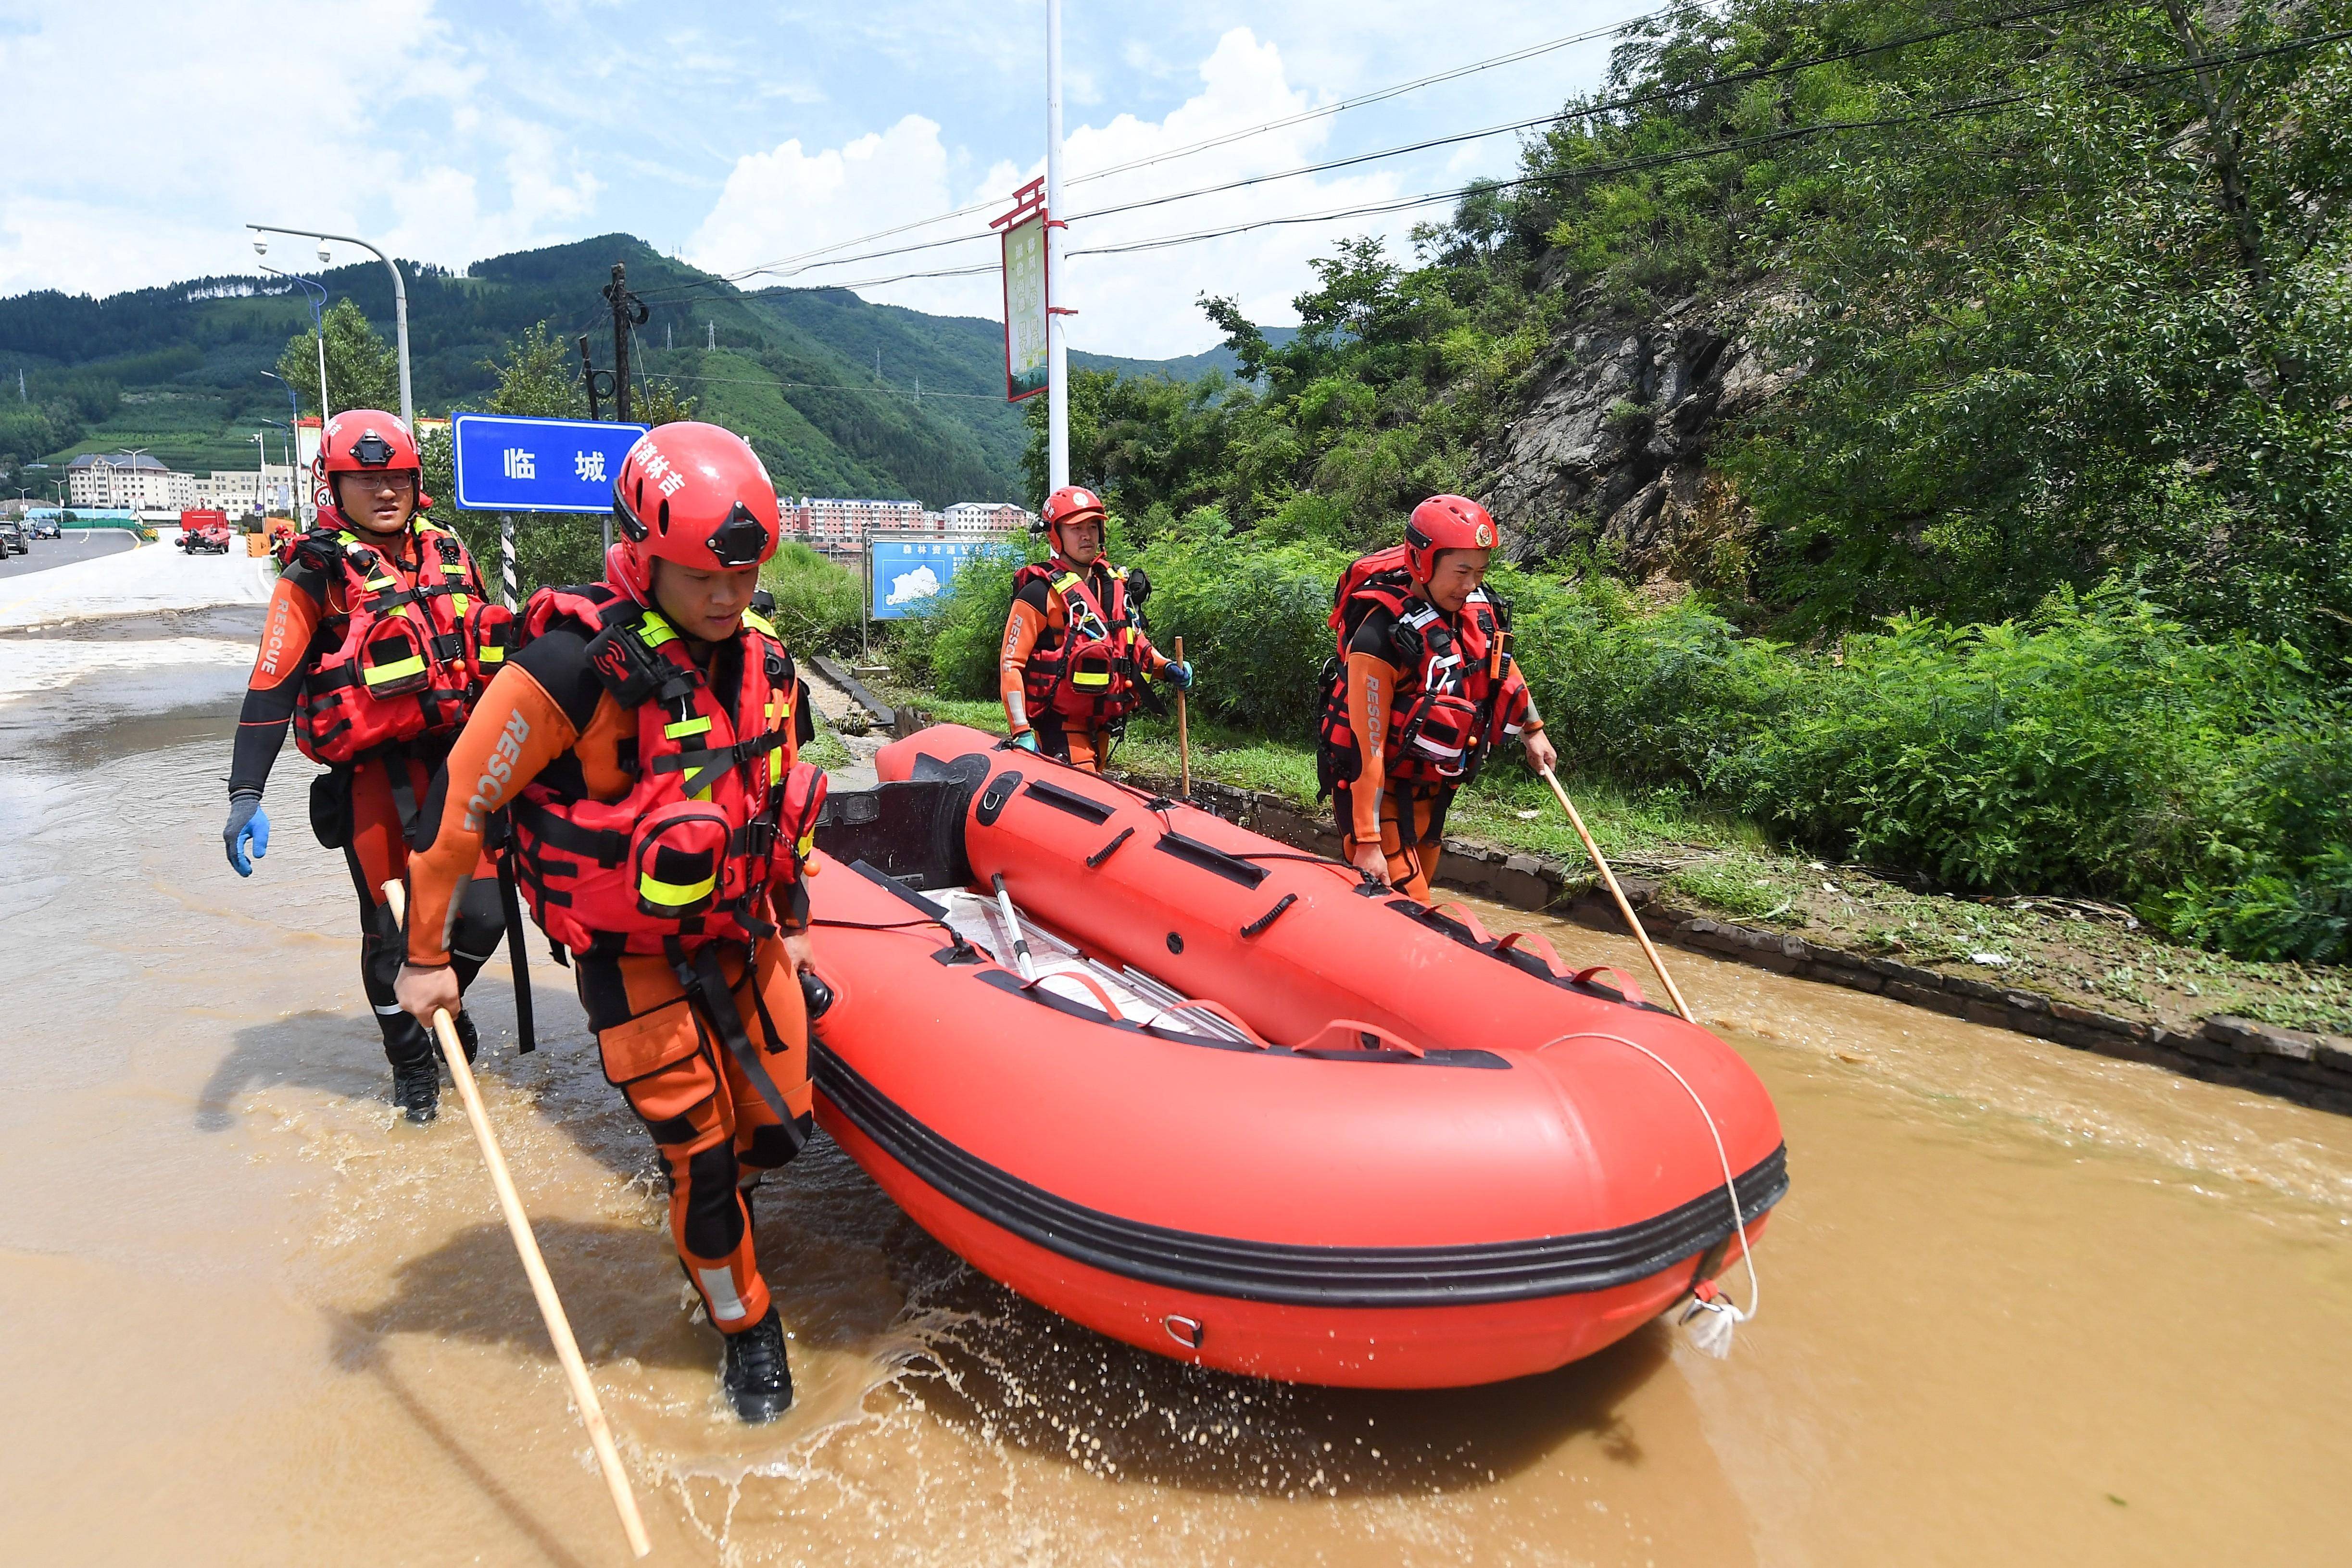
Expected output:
(1444, 523)
(1070, 504)
(695, 493)
(365, 440)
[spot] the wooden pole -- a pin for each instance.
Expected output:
(1633, 921)
(534, 1266)
(1183, 738)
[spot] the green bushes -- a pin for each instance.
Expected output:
(817, 603)
(1253, 621)
(2099, 747)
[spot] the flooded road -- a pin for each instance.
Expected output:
(2022, 1304)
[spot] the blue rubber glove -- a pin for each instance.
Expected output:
(1179, 675)
(1027, 740)
(247, 824)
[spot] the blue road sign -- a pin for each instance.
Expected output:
(509, 464)
(910, 574)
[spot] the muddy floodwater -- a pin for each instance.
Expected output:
(2022, 1304)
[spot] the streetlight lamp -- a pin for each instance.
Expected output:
(134, 453)
(399, 297)
(318, 292)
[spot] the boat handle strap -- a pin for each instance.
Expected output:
(1084, 979)
(1095, 860)
(1353, 1032)
(1627, 986)
(1268, 918)
(1534, 942)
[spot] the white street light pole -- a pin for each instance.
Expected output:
(1057, 359)
(134, 453)
(399, 305)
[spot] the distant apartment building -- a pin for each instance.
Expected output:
(968, 518)
(245, 492)
(832, 524)
(136, 480)
(845, 525)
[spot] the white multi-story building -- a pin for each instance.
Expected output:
(246, 492)
(136, 480)
(967, 517)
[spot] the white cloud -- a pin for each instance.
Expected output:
(782, 203)
(131, 167)
(790, 201)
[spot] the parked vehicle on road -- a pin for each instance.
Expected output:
(42, 528)
(205, 533)
(12, 538)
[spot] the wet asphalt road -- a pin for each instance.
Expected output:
(78, 544)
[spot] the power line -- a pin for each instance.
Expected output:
(1227, 139)
(1587, 111)
(1634, 165)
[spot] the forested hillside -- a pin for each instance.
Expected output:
(1925, 428)
(178, 368)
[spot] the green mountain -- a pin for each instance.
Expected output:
(838, 396)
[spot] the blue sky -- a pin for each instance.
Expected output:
(737, 134)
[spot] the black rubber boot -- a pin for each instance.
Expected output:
(416, 1087)
(463, 1023)
(759, 1378)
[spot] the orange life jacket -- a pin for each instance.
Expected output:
(714, 823)
(414, 656)
(1086, 671)
(1448, 708)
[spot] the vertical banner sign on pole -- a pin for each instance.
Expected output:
(1026, 354)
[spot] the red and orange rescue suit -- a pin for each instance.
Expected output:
(1413, 706)
(661, 824)
(1075, 659)
(374, 648)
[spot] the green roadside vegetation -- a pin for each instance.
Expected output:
(2092, 953)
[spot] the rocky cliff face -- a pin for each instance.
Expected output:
(1614, 443)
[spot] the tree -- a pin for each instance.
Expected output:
(363, 370)
(536, 378)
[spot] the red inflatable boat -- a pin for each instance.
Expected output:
(1252, 1112)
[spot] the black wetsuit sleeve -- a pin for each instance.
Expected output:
(1374, 634)
(1036, 595)
(558, 660)
(261, 722)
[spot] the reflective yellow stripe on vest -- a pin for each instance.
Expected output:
(377, 675)
(653, 631)
(685, 727)
(672, 894)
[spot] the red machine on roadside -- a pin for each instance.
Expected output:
(205, 533)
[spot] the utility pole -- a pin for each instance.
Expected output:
(628, 311)
(712, 345)
(1057, 362)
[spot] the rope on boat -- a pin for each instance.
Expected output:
(1716, 1315)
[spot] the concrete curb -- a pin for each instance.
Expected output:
(2311, 1070)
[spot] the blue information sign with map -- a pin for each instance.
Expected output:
(506, 463)
(909, 574)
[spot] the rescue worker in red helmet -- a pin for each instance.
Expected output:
(376, 642)
(1075, 654)
(1422, 690)
(644, 742)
